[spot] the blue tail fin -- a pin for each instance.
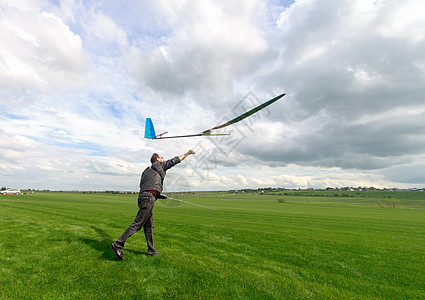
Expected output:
(149, 129)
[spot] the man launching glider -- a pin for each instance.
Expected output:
(150, 130)
(151, 185)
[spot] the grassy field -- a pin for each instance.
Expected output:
(315, 245)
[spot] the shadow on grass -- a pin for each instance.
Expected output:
(134, 251)
(104, 245)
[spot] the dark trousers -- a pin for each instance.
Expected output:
(144, 218)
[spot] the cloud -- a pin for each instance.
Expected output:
(355, 91)
(410, 173)
(208, 48)
(38, 52)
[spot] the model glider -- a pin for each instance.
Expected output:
(150, 130)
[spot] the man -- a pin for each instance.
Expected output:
(151, 184)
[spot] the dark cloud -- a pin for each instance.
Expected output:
(407, 174)
(352, 89)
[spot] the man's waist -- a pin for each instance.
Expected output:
(155, 193)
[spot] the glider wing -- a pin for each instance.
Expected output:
(247, 114)
(150, 130)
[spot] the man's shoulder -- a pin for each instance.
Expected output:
(147, 169)
(157, 165)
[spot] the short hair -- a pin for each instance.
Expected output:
(154, 157)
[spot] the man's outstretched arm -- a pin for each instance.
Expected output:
(183, 156)
(172, 162)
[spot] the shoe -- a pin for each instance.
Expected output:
(117, 251)
(152, 253)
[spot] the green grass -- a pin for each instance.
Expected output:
(56, 245)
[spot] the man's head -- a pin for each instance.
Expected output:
(156, 157)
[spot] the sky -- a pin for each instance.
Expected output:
(78, 78)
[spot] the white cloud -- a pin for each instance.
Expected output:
(208, 47)
(402, 23)
(39, 52)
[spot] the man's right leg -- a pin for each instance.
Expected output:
(148, 228)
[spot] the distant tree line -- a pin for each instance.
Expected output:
(328, 189)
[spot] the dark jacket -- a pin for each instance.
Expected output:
(153, 177)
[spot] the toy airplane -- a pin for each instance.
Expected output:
(150, 130)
